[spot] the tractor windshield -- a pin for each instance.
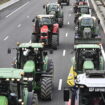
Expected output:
(46, 20)
(52, 7)
(91, 98)
(84, 10)
(87, 22)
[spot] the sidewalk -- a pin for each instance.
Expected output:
(7, 4)
(100, 11)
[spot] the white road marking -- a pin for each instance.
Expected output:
(103, 52)
(71, 9)
(17, 9)
(66, 34)
(68, 23)
(6, 38)
(64, 52)
(60, 84)
(19, 25)
(28, 16)
(69, 14)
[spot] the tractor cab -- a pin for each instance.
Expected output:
(43, 20)
(55, 9)
(30, 54)
(52, 7)
(87, 29)
(88, 57)
(83, 9)
(46, 30)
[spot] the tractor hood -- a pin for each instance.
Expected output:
(3, 100)
(83, 79)
(10, 73)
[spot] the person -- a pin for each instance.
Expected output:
(71, 77)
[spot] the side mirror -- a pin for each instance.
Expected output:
(66, 94)
(45, 53)
(44, 6)
(9, 51)
(33, 20)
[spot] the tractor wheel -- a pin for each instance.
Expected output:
(54, 42)
(33, 38)
(50, 69)
(32, 99)
(46, 88)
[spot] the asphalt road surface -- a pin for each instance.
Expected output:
(16, 26)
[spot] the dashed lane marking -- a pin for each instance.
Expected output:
(64, 52)
(28, 16)
(6, 38)
(19, 25)
(69, 15)
(60, 84)
(68, 23)
(66, 34)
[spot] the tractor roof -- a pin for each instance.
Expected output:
(10, 73)
(44, 15)
(53, 4)
(33, 45)
(87, 46)
(83, 6)
(86, 16)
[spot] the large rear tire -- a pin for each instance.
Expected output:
(54, 42)
(46, 88)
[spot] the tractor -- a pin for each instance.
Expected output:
(87, 56)
(46, 31)
(55, 9)
(14, 90)
(81, 10)
(89, 89)
(64, 1)
(86, 77)
(32, 58)
(87, 30)
(79, 3)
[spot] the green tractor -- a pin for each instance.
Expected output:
(55, 9)
(34, 61)
(87, 30)
(14, 90)
(88, 56)
(82, 9)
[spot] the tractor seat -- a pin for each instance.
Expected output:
(88, 65)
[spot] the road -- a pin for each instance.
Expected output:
(16, 26)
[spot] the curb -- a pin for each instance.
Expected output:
(7, 4)
(99, 15)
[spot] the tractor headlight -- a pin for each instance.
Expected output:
(20, 100)
(25, 79)
(18, 79)
(7, 79)
(30, 79)
(12, 79)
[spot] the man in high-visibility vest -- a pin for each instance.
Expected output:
(71, 77)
